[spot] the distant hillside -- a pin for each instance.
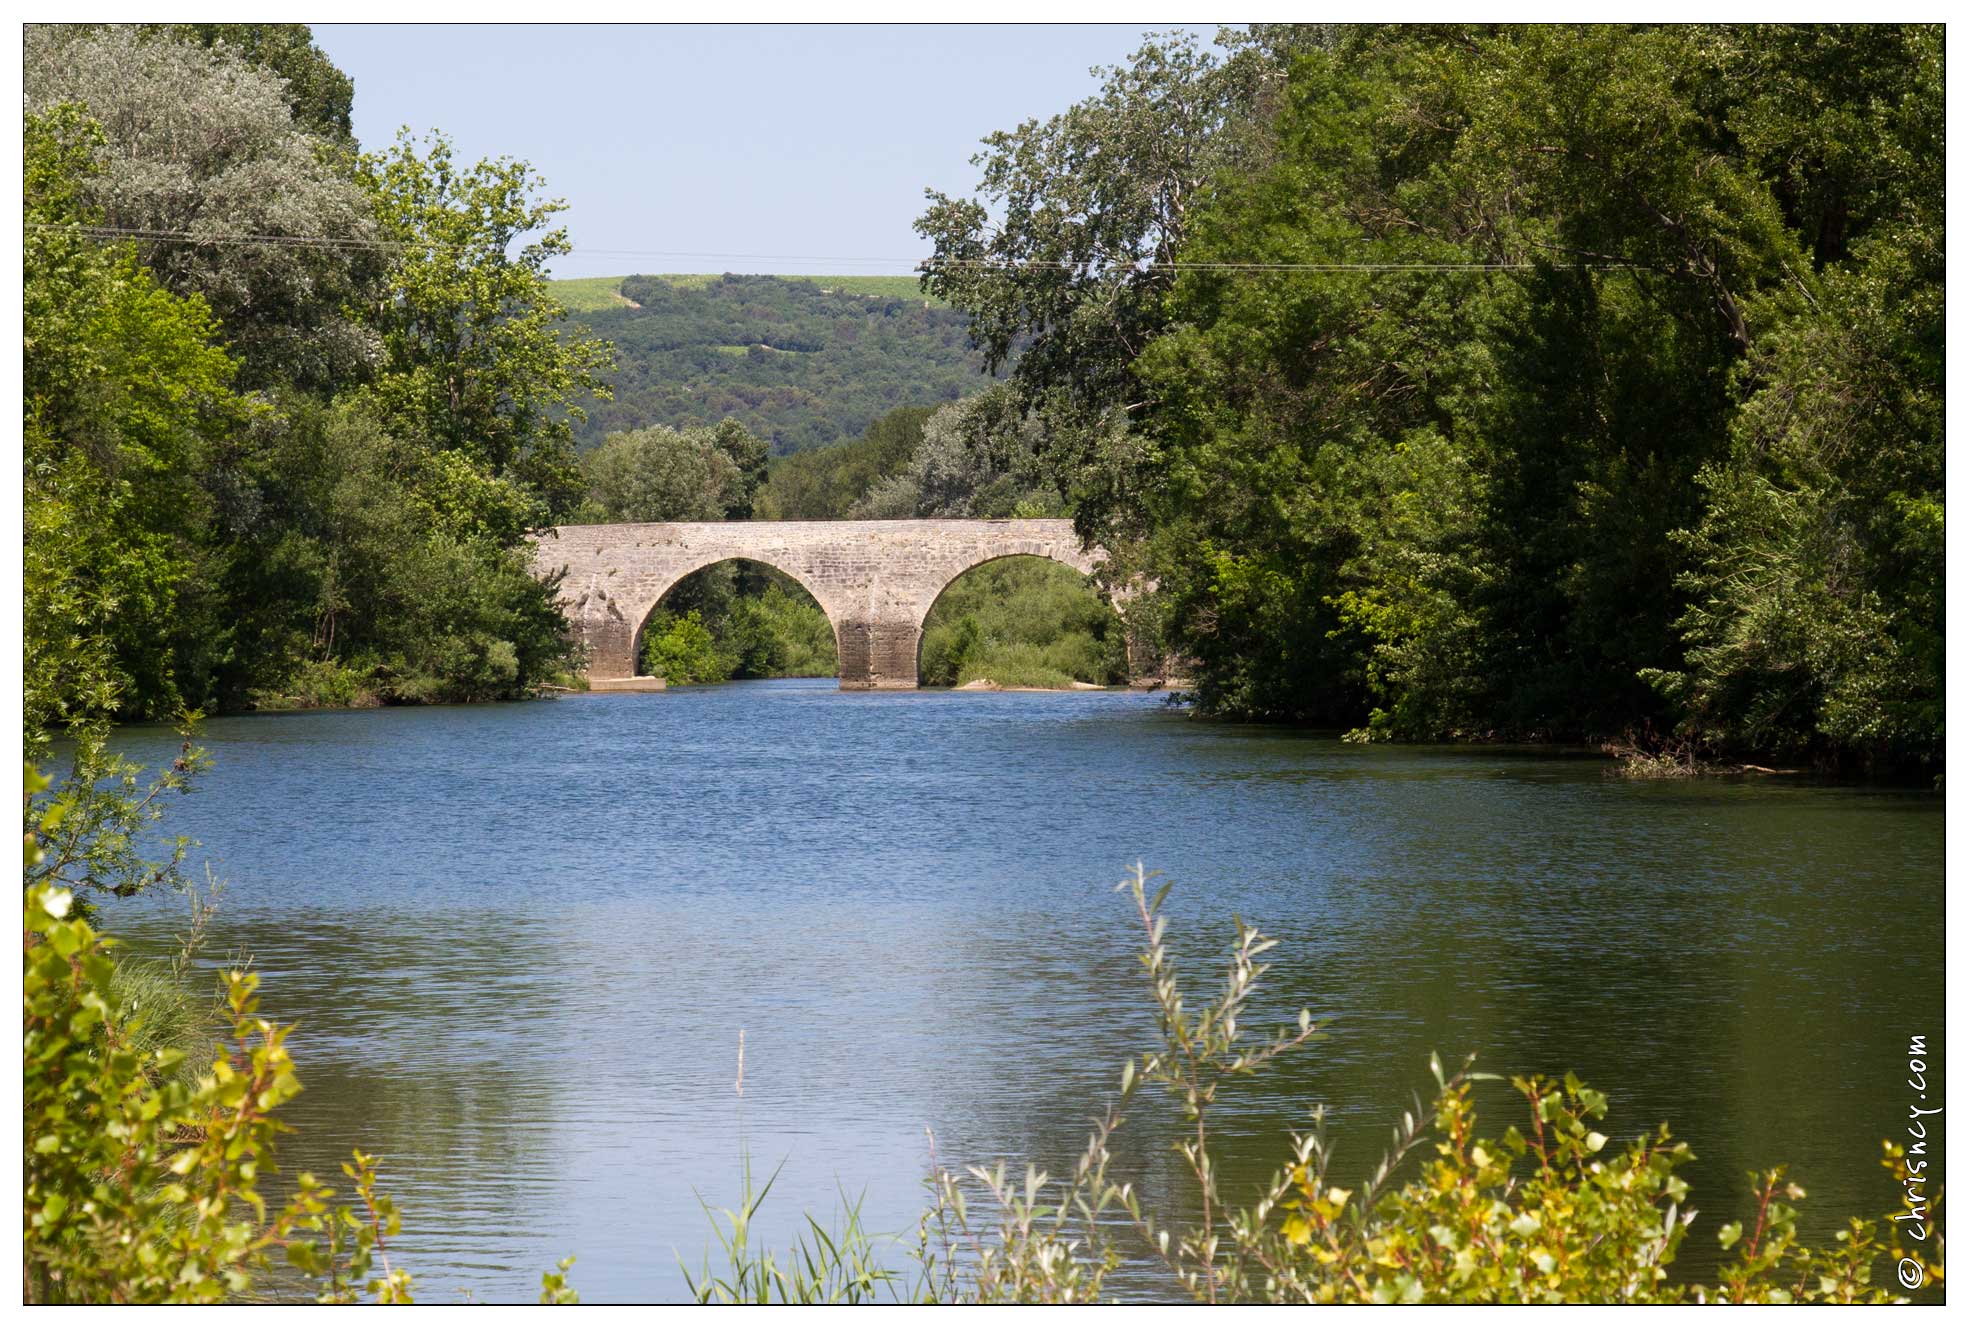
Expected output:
(801, 361)
(582, 295)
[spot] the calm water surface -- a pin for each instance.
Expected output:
(521, 941)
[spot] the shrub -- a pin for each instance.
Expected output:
(318, 683)
(781, 633)
(681, 650)
(946, 648)
(139, 1185)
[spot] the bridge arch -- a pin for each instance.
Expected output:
(1086, 581)
(944, 577)
(639, 621)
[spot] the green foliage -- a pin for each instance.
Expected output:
(139, 1185)
(474, 360)
(1057, 256)
(730, 622)
(681, 650)
(1550, 1213)
(892, 288)
(1815, 605)
(829, 1264)
(93, 832)
(830, 482)
(201, 148)
(126, 407)
(780, 633)
(1528, 381)
(796, 365)
(980, 457)
(555, 1290)
(759, 622)
(187, 546)
(381, 571)
(662, 474)
(948, 646)
(322, 95)
(1022, 622)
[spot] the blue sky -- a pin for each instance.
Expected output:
(725, 140)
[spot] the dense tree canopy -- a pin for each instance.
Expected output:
(980, 457)
(825, 483)
(322, 96)
(128, 411)
(474, 357)
(205, 167)
(663, 474)
(290, 410)
(1533, 381)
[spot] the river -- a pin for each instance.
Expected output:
(520, 942)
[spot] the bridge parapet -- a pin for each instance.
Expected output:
(875, 580)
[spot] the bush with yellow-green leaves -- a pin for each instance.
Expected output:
(1556, 1215)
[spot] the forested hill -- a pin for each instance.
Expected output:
(799, 361)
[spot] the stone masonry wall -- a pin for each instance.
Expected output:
(875, 580)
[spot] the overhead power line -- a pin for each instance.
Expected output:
(917, 264)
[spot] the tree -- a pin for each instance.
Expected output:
(1497, 315)
(826, 483)
(1815, 597)
(326, 539)
(379, 569)
(321, 95)
(663, 474)
(202, 162)
(474, 361)
(126, 405)
(1066, 251)
(748, 458)
(984, 456)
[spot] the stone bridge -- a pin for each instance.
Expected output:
(875, 580)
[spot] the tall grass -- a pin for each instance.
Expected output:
(829, 1263)
(165, 1003)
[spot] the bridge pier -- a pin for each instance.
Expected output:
(611, 642)
(877, 654)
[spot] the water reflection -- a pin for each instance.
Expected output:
(521, 941)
